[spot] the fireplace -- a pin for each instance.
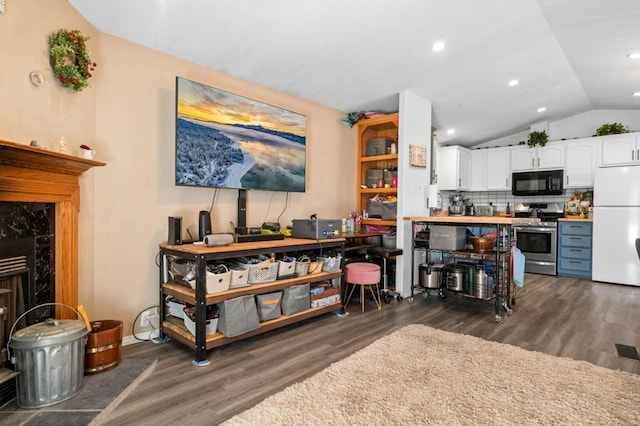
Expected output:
(35, 177)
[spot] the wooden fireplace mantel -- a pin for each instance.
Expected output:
(36, 175)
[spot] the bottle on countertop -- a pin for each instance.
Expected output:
(508, 209)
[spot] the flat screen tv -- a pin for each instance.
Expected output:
(224, 140)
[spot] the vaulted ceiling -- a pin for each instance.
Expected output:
(569, 56)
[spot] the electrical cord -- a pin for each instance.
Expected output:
(286, 204)
(264, 219)
(153, 329)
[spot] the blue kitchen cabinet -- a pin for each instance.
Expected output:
(575, 249)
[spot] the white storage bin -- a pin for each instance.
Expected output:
(262, 272)
(330, 264)
(286, 269)
(216, 283)
(239, 277)
(210, 327)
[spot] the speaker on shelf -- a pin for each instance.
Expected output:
(175, 231)
(204, 224)
(215, 240)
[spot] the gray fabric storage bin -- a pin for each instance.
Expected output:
(237, 316)
(269, 305)
(296, 299)
(386, 211)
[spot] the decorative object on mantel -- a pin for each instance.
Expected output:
(611, 129)
(62, 145)
(70, 59)
(87, 152)
(537, 138)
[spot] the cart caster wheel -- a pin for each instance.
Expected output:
(399, 298)
(442, 295)
(499, 319)
(410, 299)
(509, 311)
(386, 299)
(513, 301)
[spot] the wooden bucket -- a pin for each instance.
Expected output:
(104, 346)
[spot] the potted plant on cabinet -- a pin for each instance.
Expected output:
(611, 129)
(537, 138)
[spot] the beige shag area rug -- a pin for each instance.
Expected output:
(420, 375)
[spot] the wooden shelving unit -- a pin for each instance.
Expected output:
(198, 297)
(384, 126)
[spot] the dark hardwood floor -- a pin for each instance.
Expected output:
(566, 317)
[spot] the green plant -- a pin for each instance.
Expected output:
(70, 59)
(537, 138)
(610, 129)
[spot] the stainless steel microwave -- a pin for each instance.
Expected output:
(547, 182)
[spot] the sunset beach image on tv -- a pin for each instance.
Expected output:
(224, 140)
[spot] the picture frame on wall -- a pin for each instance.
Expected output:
(417, 156)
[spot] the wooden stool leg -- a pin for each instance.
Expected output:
(362, 297)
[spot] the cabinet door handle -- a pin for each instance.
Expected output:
(533, 162)
(460, 182)
(567, 179)
(632, 154)
(538, 162)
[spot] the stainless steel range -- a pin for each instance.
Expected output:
(538, 240)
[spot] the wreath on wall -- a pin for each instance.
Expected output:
(70, 59)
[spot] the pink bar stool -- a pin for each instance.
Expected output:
(363, 274)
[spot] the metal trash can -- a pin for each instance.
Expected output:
(50, 358)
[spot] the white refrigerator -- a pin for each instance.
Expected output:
(616, 225)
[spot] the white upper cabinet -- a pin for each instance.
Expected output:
(620, 149)
(454, 168)
(479, 170)
(582, 160)
(550, 156)
(498, 171)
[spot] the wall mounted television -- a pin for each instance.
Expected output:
(224, 140)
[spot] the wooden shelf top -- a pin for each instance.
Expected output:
(254, 245)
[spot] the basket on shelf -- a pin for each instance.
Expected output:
(286, 267)
(218, 280)
(262, 272)
(330, 264)
(302, 265)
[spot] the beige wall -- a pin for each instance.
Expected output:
(128, 117)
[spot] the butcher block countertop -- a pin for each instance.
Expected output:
(480, 220)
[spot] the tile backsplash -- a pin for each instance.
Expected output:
(501, 198)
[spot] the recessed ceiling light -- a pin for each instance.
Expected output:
(437, 46)
(542, 109)
(451, 131)
(636, 93)
(513, 83)
(635, 55)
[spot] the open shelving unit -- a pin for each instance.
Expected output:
(383, 126)
(200, 255)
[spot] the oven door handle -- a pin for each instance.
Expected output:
(531, 228)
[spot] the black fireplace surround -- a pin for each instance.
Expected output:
(19, 223)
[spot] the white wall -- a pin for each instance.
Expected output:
(578, 126)
(414, 129)
(128, 116)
